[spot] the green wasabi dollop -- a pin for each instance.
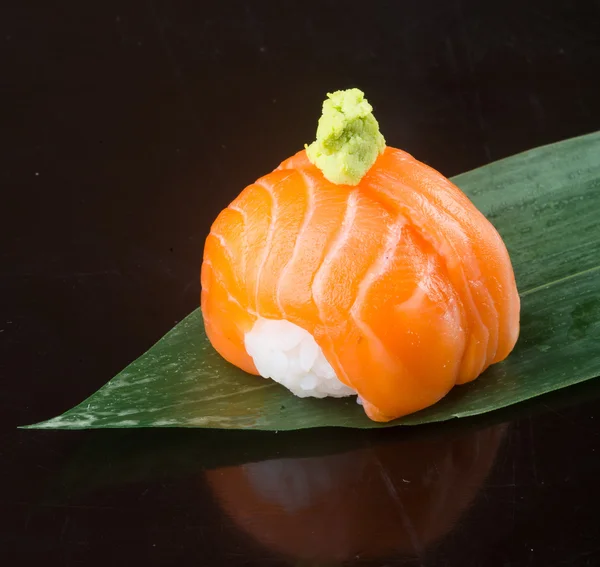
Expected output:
(348, 138)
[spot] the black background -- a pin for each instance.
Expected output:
(125, 127)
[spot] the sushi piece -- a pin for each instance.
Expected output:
(354, 269)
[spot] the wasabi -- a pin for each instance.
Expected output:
(348, 138)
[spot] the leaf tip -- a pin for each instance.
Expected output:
(58, 422)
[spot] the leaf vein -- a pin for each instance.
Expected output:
(558, 281)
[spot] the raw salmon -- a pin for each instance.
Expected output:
(405, 286)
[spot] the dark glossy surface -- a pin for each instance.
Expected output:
(123, 134)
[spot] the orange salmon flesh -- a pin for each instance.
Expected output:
(406, 287)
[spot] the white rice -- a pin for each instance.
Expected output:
(289, 355)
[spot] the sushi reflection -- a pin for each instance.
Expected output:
(394, 498)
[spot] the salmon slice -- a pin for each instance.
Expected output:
(403, 283)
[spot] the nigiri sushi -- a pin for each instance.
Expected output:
(353, 269)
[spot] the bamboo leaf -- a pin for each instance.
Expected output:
(546, 205)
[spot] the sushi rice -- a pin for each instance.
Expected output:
(289, 355)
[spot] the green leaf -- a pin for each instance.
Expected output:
(546, 205)
(151, 455)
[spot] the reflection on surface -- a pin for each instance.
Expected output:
(398, 497)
